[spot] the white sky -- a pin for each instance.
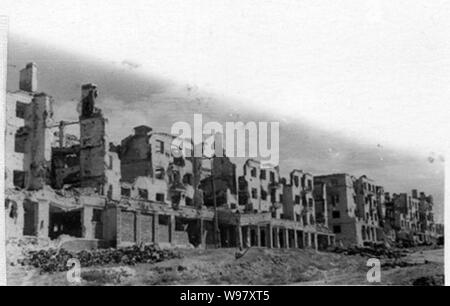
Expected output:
(375, 71)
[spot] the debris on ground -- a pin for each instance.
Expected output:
(55, 260)
(111, 275)
(259, 266)
(240, 253)
(18, 248)
(434, 280)
(379, 251)
(399, 264)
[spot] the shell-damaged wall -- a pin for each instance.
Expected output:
(151, 172)
(28, 138)
(99, 166)
(92, 140)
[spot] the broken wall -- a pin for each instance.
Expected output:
(39, 144)
(135, 157)
(65, 166)
(20, 145)
(16, 160)
(92, 151)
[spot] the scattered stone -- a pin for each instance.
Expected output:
(380, 251)
(434, 280)
(54, 260)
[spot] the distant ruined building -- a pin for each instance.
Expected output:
(138, 192)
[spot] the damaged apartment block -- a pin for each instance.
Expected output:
(160, 197)
(138, 192)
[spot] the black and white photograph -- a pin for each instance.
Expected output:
(224, 143)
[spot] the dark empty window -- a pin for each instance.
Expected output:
(336, 214)
(262, 175)
(20, 140)
(20, 109)
(163, 220)
(297, 199)
(110, 165)
(159, 146)
(253, 172)
(143, 193)
(160, 197)
(180, 225)
(97, 215)
(296, 181)
(263, 194)
(125, 191)
(334, 200)
(254, 193)
(272, 176)
(189, 201)
(337, 229)
(19, 178)
(187, 179)
(273, 195)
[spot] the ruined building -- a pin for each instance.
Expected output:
(321, 204)
(225, 184)
(268, 215)
(141, 192)
(367, 209)
(298, 199)
(346, 210)
(91, 161)
(404, 218)
(160, 197)
(260, 190)
(426, 216)
(28, 141)
(33, 208)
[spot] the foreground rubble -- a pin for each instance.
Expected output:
(258, 266)
(55, 260)
(379, 251)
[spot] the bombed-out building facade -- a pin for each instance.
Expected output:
(138, 192)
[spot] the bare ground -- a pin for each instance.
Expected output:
(259, 266)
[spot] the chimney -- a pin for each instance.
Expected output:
(88, 96)
(142, 130)
(28, 78)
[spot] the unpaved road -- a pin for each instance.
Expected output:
(428, 263)
(436, 256)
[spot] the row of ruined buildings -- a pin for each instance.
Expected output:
(139, 192)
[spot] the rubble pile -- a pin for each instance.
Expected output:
(372, 251)
(18, 248)
(435, 280)
(399, 264)
(55, 260)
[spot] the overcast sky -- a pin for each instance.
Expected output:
(358, 86)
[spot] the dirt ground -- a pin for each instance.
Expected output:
(259, 266)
